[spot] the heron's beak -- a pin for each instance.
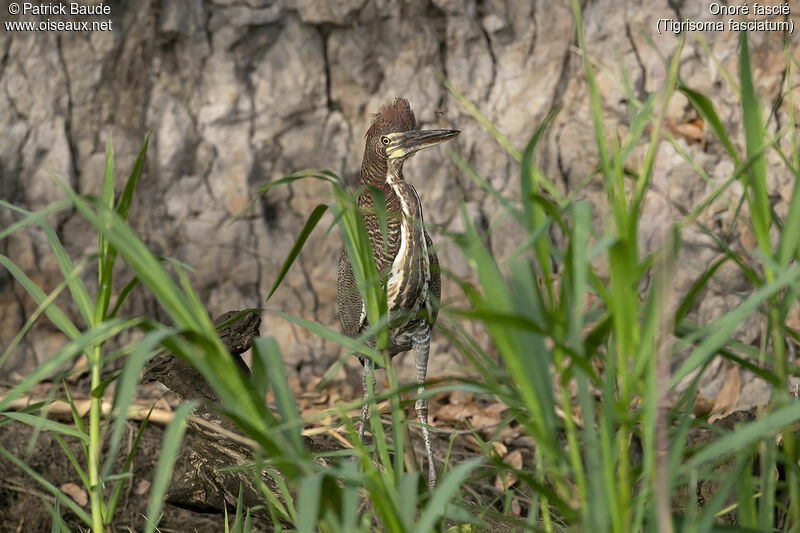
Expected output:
(409, 142)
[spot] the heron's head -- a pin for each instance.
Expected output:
(393, 137)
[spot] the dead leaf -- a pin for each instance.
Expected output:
(500, 449)
(702, 406)
(459, 397)
(295, 386)
(483, 421)
(509, 433)
(691, 131)
(471, 443)
(142, 487)
(454, 412)
(793, 317)
(516, 508)
(514, 460)
(76, 493)
(728, 395)
(746, 238)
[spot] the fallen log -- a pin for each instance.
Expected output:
(203, 478)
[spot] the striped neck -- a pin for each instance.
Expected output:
(384, 176)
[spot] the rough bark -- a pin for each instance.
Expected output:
(201, 479)
(239, 93)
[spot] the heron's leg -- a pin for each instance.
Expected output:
(421, 343)
(367, 365)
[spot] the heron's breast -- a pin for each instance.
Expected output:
(407, 283)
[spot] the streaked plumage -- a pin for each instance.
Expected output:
(407, 263)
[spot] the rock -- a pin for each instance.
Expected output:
(239, 93)
(174, 136)
(181, 18)
(47, 150)
(34, 78)
(289, 79)
(341, 12)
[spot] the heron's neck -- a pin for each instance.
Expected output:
(389, 180)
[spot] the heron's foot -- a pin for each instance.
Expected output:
(422, 413)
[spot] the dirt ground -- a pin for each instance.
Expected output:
(22, 507)
(460, 420)
(21, 498)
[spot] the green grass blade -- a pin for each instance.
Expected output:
(126, 390)
(768, 482)
(754, 136)
(76, 287)
(533, 358)
(745, 497)
(790, 236)
(76, 416)
(705, 108)
(308, 503)
(308, 227)
(330, 335)
(594, 95)
(638, 124)
(531, 177)
(72, 460)
(726, 325)
(123, 294)
(105, 261)
(107, 195)
(408, 498)
(579, 247)
(237, 526)
(205, 351)
(501, 139)
(58, 524)
(124, 202)
(45, 423)
(116, 492)
(745, 435)
(702, 282)
(435, 507)
(53, 313)
(30, 218)
(139, 258)
(47, 302)
(287, 407)
(173, 436)
(68, 502)
(95, 335)
(521, 366)
(323, 175)
(533, 217)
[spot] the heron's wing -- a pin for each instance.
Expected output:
(351, 310)
(383, 252)
(435, 284)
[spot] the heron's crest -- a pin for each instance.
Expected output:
(392, 118)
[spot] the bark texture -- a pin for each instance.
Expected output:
(239, 93)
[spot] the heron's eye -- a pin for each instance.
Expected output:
(385, 141)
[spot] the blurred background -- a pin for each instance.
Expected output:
(239, 93)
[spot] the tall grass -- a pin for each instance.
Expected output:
(583, 361)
